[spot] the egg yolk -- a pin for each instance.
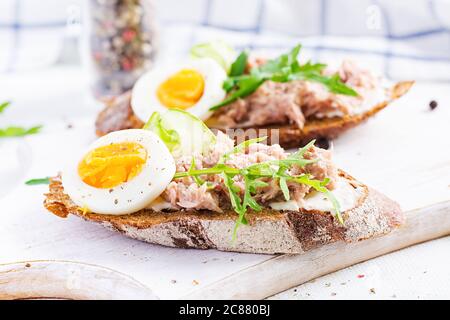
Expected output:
(181, 90)
(113, 164)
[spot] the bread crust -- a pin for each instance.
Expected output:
(118, 115)
(291, 136)
(268, 232)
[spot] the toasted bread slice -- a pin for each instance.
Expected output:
(268, 232)
(291, 136)
(118, 115)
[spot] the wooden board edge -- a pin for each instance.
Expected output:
(67, 280)
(286, 271)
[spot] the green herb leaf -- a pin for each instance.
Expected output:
(18, 131)
(4, 105)
(246, 86)
(320, 186)
(235, 200)
(334, 83)
(241, 147)
(252, 175)
(228, 84)
(301, 151)
(284, 188)
(282, 69)
(33, 182)
(239, 65)
(281, 64)
(15, 131)
(308, 67)
(197, 180)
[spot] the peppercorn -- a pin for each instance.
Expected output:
(323, 143)
(433, 104)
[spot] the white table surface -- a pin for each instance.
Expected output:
(57, 98)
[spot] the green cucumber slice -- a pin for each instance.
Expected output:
(218, 50)
(183, 133)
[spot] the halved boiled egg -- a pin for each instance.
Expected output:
(121, 173)
(194, 86)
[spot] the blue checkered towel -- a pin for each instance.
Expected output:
(403, 38)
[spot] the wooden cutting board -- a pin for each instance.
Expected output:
(404, 152)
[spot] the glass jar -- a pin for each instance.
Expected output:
(121, 43)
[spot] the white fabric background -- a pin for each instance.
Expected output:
(403, 38)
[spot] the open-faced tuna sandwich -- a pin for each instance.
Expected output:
(175, 183)
(240, 91)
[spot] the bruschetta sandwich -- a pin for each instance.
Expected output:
(296, 101)
(176, 183)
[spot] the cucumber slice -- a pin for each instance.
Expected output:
(218, 50)
(183, 133)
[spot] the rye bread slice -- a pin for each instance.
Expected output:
(291, 136)
(118, 115)
(268, 232)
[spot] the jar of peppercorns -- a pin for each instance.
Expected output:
(121, 43)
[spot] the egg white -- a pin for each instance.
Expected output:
(144, 99)
(130, 196)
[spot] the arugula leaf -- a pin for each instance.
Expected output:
(246, 86)
(15, 131)
(320, 186)
(284, 188)
(197, 180)
(241, 147)
(4, 105)
(309, 67)
(18, 131)
(301, 151)
(334, 83)
(228, 84)
(236, 71)
(33, 182)
(282, 69)
(281, 64)
(252, 175)
(239, 65)
(235, 200)
(217, 169)
(247, 202)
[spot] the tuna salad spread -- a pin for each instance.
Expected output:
(296, 101)
(212, 193)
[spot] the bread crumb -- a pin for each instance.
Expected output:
(195, 282)
(372, 290)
